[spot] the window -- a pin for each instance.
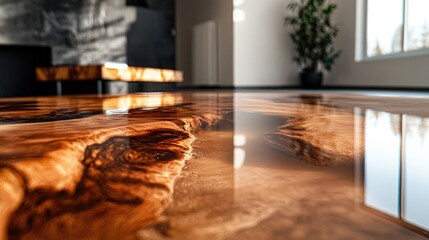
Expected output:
(396, 27)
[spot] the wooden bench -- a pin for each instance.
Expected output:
(106, 72)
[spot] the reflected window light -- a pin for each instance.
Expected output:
(239, 15)
(396, 166)
(153, 102)
(416, 166)
(239, 157)
(113, 65)
(239, 152)
(239, 140)
(116, 111)
(149, 108)
(382, 162)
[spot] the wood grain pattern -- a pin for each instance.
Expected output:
(319, 128)
(91, 174)
(96, 72)
(124, 179)
(314, 133)
(137, 74)
(89, 167)
(68, 73)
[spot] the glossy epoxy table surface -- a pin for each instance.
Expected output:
(265, 165)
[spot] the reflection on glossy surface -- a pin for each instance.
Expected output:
(396, 167)
(416, 168)
(84, 175)
(213, 166)
(147, 101)
(382, 162)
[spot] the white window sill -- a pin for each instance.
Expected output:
(399, 55)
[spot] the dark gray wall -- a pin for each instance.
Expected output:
(151, 37)
(80, 31)
(17, 71)
(150, 40)
(93, 31)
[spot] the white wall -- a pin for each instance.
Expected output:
(262, 48)
(258, 51)
(402, 72)
(192, 12)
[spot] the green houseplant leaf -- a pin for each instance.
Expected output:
(313, 34)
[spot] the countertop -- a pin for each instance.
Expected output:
(210, 165)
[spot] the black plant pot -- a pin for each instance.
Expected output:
(311, 79)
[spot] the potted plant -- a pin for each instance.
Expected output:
(313, 34)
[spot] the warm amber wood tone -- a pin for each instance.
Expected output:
(157, 166)
(86, 167)
(96, 72)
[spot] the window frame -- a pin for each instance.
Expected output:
(404, 53)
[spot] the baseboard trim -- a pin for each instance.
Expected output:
(324, 88)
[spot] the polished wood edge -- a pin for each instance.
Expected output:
(68, 73)
(101, 72)
(139, 74)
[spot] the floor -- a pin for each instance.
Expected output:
(215, 165)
